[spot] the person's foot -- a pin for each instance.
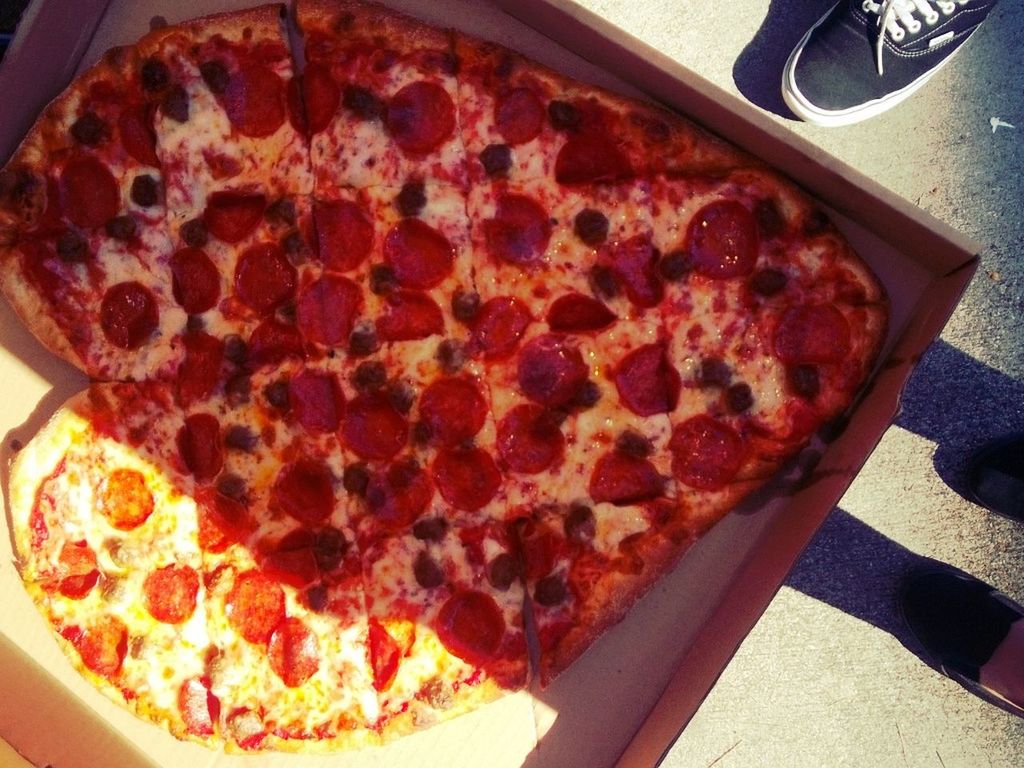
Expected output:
(864, 57)
(973, 633)
(995, 476)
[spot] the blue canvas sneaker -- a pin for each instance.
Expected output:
(864, 57)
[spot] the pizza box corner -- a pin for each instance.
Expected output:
(606, 709)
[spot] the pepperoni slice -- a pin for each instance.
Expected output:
(137, 135)
(530, 440)
(420, 256)
(385, 655)
(420, 117)
(471, 626)
(635, 263)
(321, 95)
(125, 499)
(200, 446)
(293, 560)
(373, 429)
(621, 478)
(102, 644)
(466, 477)
(254, 606)
(199, 708)
(519, 115)
(254, 100)
(170, 593)
(576, 313)
(326, 310)
(195, 281)
(398, 495)
(519, 232)
(344, 234)
(78, 569)
(499, 326)
(89, 194)
(128, 315)
(264, 278)
(721, 240)
(304, 489)
(317, 401)
(647, 382)
(706, 454)
(591, 157)
(411, 315)
(199, 371)
(272, 341)
(540, 549)
(293, 652)
(550, 371)
(815, 333)
(232, 216)
(453, 409)
(222, 520)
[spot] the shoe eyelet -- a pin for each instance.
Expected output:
(866, 6)
(898, 35)
(931, 19)
(912, 28)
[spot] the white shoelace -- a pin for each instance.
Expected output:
(896, 18)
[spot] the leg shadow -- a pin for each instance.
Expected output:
(959, 404)
(858, 570)
(854, 568)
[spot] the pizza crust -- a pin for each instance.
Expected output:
(354, 19)
(265, 21)
(33, 311)
(611, 599)
(38, 459)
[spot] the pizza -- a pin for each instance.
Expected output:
(412, 369)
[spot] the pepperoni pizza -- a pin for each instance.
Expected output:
(388, 355)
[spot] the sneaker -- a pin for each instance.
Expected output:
(995, 477)
(864, 57)
(959, 621)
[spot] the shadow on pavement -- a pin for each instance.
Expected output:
(959, 404)
(856, 569)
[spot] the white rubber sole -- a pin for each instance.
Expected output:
(804, 109)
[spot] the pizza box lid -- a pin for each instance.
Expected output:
(628, 698)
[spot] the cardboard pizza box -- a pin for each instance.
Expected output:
(627, 699)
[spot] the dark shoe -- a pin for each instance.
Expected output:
(995, 477)
(959, 621)
(864, 57)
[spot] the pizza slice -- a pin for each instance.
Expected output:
(82, 206)
(381, 97)
(586, 565)
(583, 443)
(238, 187)
(522, 121)
(109, 552)
(771, 323)
(446, 621)
(224, 120)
